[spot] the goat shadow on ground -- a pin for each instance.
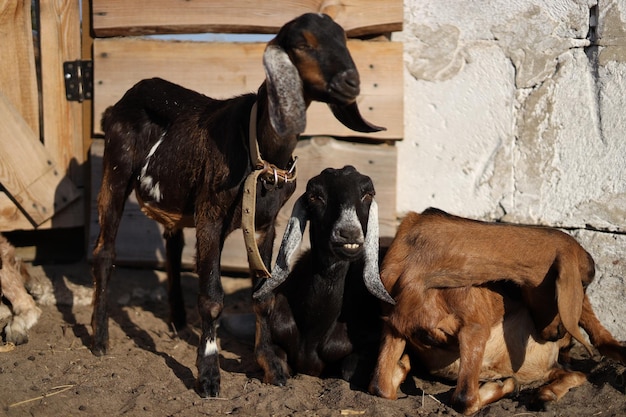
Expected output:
(600, 370)
(144, 292)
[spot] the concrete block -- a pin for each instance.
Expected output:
(608, 290)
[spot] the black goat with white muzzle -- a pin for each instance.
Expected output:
(187, 157)
(324, 311)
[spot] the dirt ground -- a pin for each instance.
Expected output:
(150, 371)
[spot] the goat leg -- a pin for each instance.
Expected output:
(492, 391)
(600, 336)
(210, 306)
(561, 381)
(393, 365)
(101, 271)
(25, 311)
(271, 358)
(112, 197)
(472, 341)
(174, 243)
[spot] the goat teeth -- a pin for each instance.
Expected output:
(351, 245)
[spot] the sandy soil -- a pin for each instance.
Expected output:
(150, 371)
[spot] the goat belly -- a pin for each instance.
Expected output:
(511, 351)
(170, 219)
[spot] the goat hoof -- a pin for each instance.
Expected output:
(206, 388)
(279, 379)
(15, 337)
(281, 382)
(99, 350)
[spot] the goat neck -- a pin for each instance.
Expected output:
(325, 264)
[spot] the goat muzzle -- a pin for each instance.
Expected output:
(345, 86)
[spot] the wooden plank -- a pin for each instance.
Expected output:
(140, 17)
(11, 218)
(139, 239)
(27, 172)
(60, 34)
(18, 79)
(87, 54)
(223, 70)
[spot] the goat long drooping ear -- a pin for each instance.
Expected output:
(351, 118)
(371, 274)
(287, 109)
(570, 297)
(291, 242)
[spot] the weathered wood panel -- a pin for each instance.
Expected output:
(27, 171)
(140, 17)
(60, 38)
(34, 173)
(11, 218)
(223, 70)
(18, 80)
(139, 241)
(18, 83)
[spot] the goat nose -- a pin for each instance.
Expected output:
(347, 83)
(351, 78)
(350, 235)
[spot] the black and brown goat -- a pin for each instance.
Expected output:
(483, 301)
(323, 308)
(187, 157)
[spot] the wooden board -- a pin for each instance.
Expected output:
(39, 193)
(140, 17)
(60, 34)
(223, 70)
(139, 240)
(18, 80)
(12, 219)
(28, 172)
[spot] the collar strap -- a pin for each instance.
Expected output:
(270, 174)
(272, 177)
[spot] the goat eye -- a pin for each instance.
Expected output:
(367, 197)
(316, 199)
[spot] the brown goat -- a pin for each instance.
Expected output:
(13, 276)
(187, 157)
(486, 301)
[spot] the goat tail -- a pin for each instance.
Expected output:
(288, 247)
(570, 297)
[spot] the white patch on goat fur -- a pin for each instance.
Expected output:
(210, 348)
(146, 180)
(348, 218)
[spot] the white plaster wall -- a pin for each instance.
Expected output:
(512, 114)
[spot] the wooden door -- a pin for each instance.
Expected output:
(42, 146)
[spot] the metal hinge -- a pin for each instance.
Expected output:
(78, 80)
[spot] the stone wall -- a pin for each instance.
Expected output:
(515, 110)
